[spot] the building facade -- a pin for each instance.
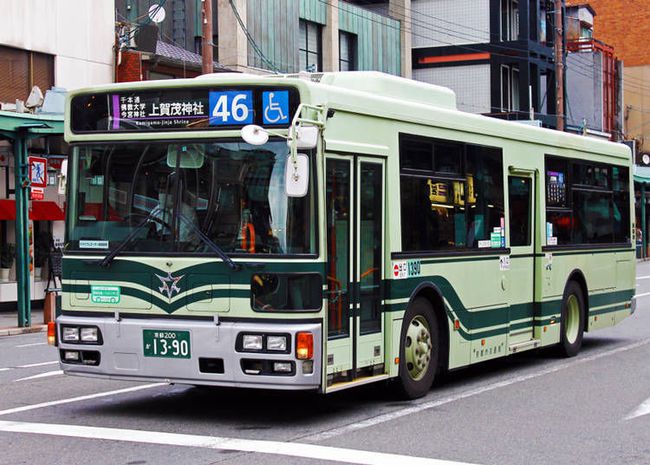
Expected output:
(594, 90)
(54, 45)
(497, 55)
(625, 25)
(260, 36)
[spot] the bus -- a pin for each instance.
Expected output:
(325, 231)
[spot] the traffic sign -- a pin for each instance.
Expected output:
(38, 171)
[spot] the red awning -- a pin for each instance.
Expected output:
(7, 209)
(43, 210)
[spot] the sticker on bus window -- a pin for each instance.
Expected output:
(105, 294)
(551, 241)
(93, 244)
(484, 244)
(407, 269)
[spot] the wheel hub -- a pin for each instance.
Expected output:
(418, 348)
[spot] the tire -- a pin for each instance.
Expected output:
(573, 320)
(419, 350)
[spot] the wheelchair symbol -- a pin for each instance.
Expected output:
(276, 107)
(273, 108)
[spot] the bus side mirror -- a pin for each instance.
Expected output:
(306, 137)
(296, 175)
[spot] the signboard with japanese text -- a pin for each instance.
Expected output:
(37, 193)
(210, 108)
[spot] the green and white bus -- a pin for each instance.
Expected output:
(324, 231)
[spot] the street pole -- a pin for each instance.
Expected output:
(206, 43)
(22, 239)
(559, 65)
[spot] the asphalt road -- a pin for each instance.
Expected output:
(532, 408)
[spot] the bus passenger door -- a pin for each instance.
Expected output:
(355, 235)
(521, 199)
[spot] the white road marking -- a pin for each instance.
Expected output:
(78, 399)
(42, 364)
(31, 365)
(643, 409)
(47, 374)
(32, 345)
(645, 294)
(291, 449)
(642, 277)
(372, 421)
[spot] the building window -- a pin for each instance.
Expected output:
(510, 101)
(21, 70)
(311, 50)
(347, 51)
(509, 20)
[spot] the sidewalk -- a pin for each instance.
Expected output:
(9, 323)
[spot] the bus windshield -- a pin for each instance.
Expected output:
(232, 192)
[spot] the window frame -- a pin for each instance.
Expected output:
(351, 61)
(304, 49)
(462, 176)
(574, 186)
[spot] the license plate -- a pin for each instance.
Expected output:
(166, 343)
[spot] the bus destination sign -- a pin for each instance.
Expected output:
(183, 109)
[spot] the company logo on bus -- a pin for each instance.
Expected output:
(169, 284)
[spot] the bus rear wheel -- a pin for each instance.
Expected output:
(573, 320)
(419, 349)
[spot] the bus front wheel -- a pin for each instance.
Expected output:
(419, 349)
(573, 320)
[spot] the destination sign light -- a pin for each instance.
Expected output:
(183, 109)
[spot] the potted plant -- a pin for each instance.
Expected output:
(7, 256)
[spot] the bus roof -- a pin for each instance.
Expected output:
(374, 94)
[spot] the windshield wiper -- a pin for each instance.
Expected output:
(210, 243)
(108, 259)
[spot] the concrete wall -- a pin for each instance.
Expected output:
(584, 92)
(79, 33)
(470, 83)
(637, 106)
(450, 22)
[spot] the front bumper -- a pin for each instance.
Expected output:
(121, 356)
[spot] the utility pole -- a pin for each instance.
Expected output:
(559, 65)
(206, 43)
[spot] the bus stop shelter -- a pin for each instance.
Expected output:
(642, 193)
(19, 129)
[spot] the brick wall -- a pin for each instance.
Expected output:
(130, 67)
(624, 24)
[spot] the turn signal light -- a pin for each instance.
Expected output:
(51, 333)
(304, 346)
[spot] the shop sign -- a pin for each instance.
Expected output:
(37, 193)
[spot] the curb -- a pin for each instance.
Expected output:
(17, 331)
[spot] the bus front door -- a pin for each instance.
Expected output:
(355, 238)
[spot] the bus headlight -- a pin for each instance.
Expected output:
(70, 334)
(276, 343)
(252, 342)
(89, 334)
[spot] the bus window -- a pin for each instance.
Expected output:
(520, 213)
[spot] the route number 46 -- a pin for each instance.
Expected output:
(231, 107)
